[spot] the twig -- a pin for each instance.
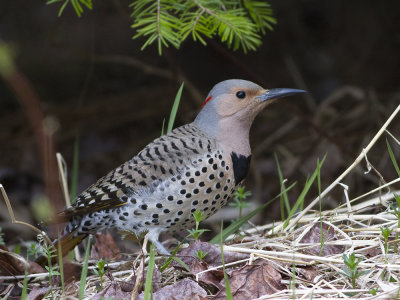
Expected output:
(138, 279)
(14, 221)
(62, 169)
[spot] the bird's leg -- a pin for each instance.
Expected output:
(153, 237)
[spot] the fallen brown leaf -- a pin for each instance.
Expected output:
(112, 291)
(72, 271)
(313, 236)
(185, 289)
(38, 293)
(213, 257)
(14, 264)
(253, 281)
(308, 273)
(105, 247)
(211, 277)
(372, 252)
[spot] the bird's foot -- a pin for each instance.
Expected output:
(153, 237)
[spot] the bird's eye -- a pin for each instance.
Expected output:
(241, 94)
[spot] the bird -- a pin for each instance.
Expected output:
(197, 166)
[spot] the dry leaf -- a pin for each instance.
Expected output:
(105, 247)
(253, 281)
(113, 291)
(309, 272)
(14, 264)
(185, 289)
(72, 271)
(371, 252)
(38, 293)
(210, 277)
(213, 257)
(313, 236)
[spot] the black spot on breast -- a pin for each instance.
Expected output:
(241, 166)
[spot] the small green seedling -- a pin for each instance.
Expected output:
(100, 271)
(386, 231)
(53, 270)
(200, 254)
(239, 198)
(350, 269)
(196, 232)
(50, 252)
(33, 250)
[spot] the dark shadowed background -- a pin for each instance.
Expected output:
(95, 83)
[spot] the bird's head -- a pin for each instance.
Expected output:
(232, 105)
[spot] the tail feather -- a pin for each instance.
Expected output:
(68, 243)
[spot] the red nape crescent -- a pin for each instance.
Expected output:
(205, 102)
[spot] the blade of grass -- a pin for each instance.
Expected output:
(74, 172)
(234, 227)
(25, 287)
(300, 199)
(181, 262)
(174, 109)
(322, 240)
(284, 197)
(60, 263)
(163, 127)
(393, 158)
(82, 283)
(149, 274)
(173, 257)
(227, 284)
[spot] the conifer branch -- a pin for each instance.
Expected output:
(239, 24)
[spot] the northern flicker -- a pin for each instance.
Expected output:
(197, 166)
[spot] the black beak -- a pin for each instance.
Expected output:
(279, 93)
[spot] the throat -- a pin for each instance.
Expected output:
(241, 164)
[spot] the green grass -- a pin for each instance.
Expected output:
(61, 264)
(227, 284)
(300, 200)
(82, 283)
(235, 226)
(24, 293)
(174, 109)
(177, 259)
(284, 199)
(74, 172)
(393, 158)
(149, 275)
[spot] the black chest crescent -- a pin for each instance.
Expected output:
(240, 165)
